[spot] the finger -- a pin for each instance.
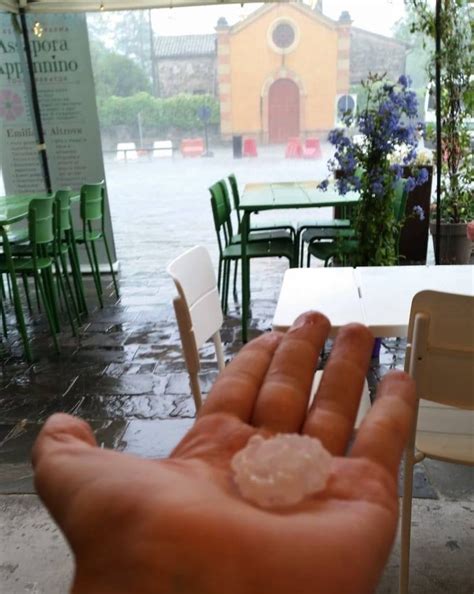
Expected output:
(236, 388)
(384, 432)
(334, 409)
(283, 399)
(60, 443)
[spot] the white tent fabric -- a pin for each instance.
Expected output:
(41, 6)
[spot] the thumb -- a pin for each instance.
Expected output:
(58, 455)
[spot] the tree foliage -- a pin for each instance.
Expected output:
(457, 88)
(128, 33)
(115, 74)
(178, 112)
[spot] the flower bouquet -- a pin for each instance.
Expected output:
(365, 164)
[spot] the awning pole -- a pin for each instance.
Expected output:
(35, 103)
(439, 156)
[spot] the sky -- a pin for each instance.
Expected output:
(378, 16)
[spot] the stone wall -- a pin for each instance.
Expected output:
(376, 54)
(187, 74)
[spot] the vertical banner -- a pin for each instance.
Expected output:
(63, 72)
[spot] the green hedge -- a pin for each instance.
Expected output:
(179, 111)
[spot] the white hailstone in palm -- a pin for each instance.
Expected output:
(282, 470)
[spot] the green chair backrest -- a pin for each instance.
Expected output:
(62, 212)
(221, 209)
(220, 214)
(92, 202)
(400, 199)
(235, 197)
(40, 221)
(228, 205)
(235, 191)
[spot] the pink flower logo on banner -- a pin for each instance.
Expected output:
(10, 105)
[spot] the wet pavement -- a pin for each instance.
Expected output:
(125, 374)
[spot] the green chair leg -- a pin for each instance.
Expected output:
(109, 258)
(66, 298)
(94, 275)
(52, 326)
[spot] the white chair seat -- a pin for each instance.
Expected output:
(445, 432)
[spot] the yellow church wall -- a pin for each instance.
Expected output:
(253, 61)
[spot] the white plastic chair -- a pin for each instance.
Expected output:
(162, 148)
(198, 311)
(199, 316)
(440, 358)
(126, 151)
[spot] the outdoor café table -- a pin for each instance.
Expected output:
(281, 195)
(14, 208)
(384, 294)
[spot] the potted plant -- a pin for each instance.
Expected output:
(457, 89)
(363, 163)
(414, 234)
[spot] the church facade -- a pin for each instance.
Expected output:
(280, 71)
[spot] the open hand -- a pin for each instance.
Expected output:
(180, 525)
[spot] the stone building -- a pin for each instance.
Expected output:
(186, 64)
(280, 72)
(377, 54)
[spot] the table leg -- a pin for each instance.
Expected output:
(16, 295)
(245, 275)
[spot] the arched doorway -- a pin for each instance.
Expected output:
(283, 111)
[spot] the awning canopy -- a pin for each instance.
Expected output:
(41, 6)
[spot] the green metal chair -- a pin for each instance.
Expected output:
(38, 261)
(309, 230)
(93, 230)
(281, 226)
(229, 252)
(344, 244)
(65, 249)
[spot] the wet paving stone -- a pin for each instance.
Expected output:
(151, 406)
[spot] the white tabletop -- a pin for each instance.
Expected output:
(332, 291)
(387, 292)
(379, 297)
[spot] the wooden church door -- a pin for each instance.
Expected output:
(283, 111)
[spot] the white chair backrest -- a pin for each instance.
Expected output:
(440, 347)
(195, 281)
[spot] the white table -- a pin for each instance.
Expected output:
(379, 297)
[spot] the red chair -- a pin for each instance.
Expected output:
(294, 149)
(250, 148)
(312, 149)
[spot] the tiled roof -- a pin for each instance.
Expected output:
(185, 45)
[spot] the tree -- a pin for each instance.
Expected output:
(116, 75)
(420, 52)
(129, 33)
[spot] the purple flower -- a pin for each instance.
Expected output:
(422, 177)
(405, 81)
(410, 184)
(323, 185)
(419, 212)
(397, 170)
(377, 188)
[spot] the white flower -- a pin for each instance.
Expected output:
(423, 157)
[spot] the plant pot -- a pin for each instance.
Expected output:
(414, 233)
(455, 246)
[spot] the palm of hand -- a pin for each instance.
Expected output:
(180, 525)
